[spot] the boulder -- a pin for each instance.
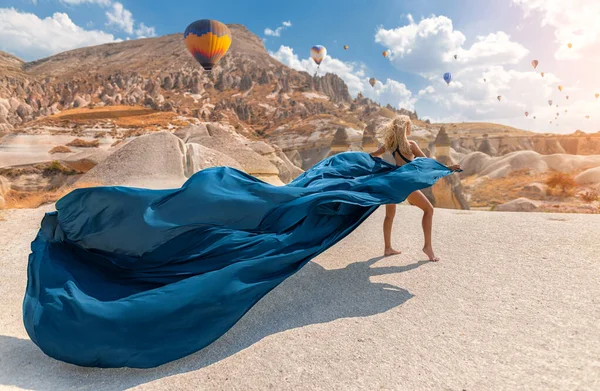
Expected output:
(535, 188)
(4, 188)
(294, 156)
(199, 157)
(155, 160)
(589, 177)
(519, 205)
(473, 162)
(192, 133)
(79, 101)
(24, 111)
(85, 160)
(225, 139)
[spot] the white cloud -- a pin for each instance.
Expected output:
(574, 21)
(428, 47)
(120, 17)
(29, 37)
(353, 74)
(476, 100)
(144, 31)
(105, 3)
(278, 30)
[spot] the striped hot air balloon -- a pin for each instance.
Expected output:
(318, 53)
(372, 81)
(208, 41)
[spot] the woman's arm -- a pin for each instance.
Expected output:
(418, 153)
(379, 152)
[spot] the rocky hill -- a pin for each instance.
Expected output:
(57, 108)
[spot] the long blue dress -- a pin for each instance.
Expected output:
(134, 277)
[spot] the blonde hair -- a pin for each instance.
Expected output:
(393, 135)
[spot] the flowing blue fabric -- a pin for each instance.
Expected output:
(133, 277)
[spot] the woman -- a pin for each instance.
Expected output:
(395, 140)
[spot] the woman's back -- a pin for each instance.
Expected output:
(400, 158)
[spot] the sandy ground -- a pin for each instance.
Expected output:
(514, 304)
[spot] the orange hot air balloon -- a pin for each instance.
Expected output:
(570, 45)
(527, 114)
(542, 74)
(534, 63)
(345, 47)
(567, 96)
(208, 41)
(560, 88)
(587, 116)
(385, 53)
(597, 95)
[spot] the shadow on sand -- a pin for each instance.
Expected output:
(314, 295)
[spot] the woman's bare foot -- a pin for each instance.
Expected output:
(391, 251)
(429, 252)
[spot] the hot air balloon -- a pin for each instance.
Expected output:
(372, 81)
(345, 47)
(484, 80)
(565, 110)
(597, 95)
(386, 53)
(542, 74)
(447, 77)
(550, 121)
(550, 102)
(556, 105)
(587, 116)
(499, 98)
(527, 114)
(534, 63)
(318, 53)
(570, 45)
(560, 88)
(534, 117)
(558, 114)
(208, 41)
(455, 56)
(567, 96)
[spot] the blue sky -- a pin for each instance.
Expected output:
(495, 40)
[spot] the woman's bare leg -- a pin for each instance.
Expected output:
(390, 212)
(417, 198)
